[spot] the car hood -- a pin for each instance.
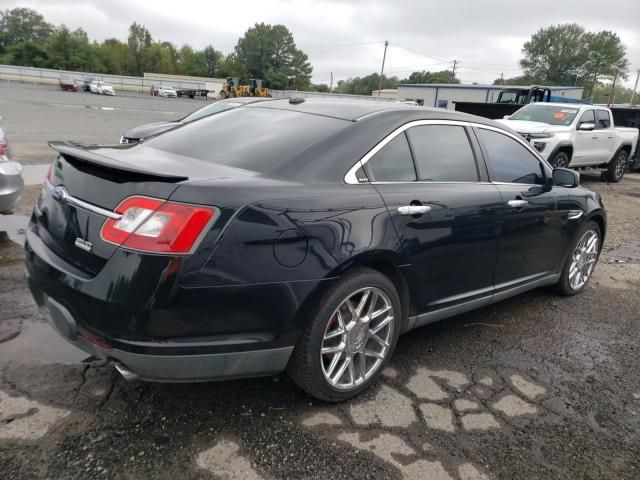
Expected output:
(523, 126)
(150, 129)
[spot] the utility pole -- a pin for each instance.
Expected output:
(331, 84)
(501, 78)
(453, 72)
(384, 57)
(634, 89)
(612, 95)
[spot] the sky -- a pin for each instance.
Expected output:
(347, 37)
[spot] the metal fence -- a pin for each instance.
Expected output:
(14, 73)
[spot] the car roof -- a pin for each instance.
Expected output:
(357, 110)
(563, 105)
(247, 99)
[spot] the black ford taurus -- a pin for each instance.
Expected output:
(298, 235)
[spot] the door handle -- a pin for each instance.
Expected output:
(414, 209)
(610, 136)
(595, 137)
(517, 203)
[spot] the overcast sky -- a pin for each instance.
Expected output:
(346, 37)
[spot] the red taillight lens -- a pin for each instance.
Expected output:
(152, 225)
(4, 146)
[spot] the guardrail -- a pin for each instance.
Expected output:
(13, 73)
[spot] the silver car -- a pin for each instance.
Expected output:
(11, 183)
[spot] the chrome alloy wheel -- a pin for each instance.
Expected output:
(357, 338)
(621, 165)
(583, 259)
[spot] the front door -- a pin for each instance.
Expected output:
(531, 226)
(586, 143)
(444, 215)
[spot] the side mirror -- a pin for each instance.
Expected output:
(564, 177)
(587, 126)
(506, 117)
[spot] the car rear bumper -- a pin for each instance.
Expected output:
(11, 185)
(169, 368)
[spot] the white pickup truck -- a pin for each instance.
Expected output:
(576, 136)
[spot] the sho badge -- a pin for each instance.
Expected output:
(84, 245)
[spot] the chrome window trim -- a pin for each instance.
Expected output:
(76, 202)
(351, 179)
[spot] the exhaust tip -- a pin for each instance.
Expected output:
(127, 374)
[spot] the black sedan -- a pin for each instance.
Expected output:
(307, 242)
(134, 135)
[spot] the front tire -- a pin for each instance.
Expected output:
(616, 167)
(580, 264)
(560, 160)
(351, 333)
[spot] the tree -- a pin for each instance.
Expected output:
(365, 85)
(443, 76)
(568, 55)
(30, 54)
(68, 50)
(269, 52)
(138, 44)
(213, 60)
(22, 25)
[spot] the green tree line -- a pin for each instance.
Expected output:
(567, 54)
(265, 51)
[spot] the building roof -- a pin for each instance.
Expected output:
(482, 87)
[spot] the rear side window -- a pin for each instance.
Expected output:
(393, 162)
(509, 161)
(604, 119)
(443, 153)
(254, 139)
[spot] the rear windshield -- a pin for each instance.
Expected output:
(255, 139)
(210, 110)
(551, 114)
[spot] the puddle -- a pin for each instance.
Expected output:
(38, 342)
(111, 109)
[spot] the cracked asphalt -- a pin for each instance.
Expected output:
(536, 387)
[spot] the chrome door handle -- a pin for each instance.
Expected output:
(517, 203)
(414, 209)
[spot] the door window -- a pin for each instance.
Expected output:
(443, 153)
(509, 161)
(587, 117)
(604, 119)
(393, 162)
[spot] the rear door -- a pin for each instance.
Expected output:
(531, 226)
(443, 209)
(606, 135)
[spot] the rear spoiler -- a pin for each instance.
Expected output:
(82, 153)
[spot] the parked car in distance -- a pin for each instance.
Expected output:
(93, 86)
(86, 84)
(68, 83)
(299, 234)
(168, 92)
(11, 183)
(576, 136)
(105, 89)
(136, 134)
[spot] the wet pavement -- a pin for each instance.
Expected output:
(535, 387)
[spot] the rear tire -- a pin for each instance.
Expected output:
(348, 338)
(560, 160)
(616, 167)
(582, 260)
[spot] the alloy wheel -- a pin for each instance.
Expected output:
(583, 259)
(620, 166)
(357, 338)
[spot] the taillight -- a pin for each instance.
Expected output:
(4, 146)
(152, 225)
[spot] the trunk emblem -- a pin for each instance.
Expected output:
(60, 194)
(83, 244)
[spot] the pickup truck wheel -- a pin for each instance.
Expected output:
(615, 169)
(582, 261)
(560, 160)
(350, 335)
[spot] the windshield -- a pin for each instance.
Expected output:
(275, 136)
(210, 110)
(551, 114)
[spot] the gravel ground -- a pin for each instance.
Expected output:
(535, 387)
